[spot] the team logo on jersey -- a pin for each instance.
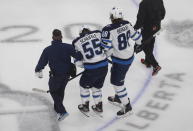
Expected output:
(180, 33)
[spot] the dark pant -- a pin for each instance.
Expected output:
(94, 77)
(57, 86)
(118, 73)
(148, 48)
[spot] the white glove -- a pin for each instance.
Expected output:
(39, 74)
(79, 64)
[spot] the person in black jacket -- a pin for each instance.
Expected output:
(149, 17)
(58, 57)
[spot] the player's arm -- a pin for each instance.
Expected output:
(78, 61)
(135, 35)
(76, 54)
(43, 61)
(106, 42)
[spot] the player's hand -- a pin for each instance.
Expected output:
(39, 74)
(137, 48)
(154, 28)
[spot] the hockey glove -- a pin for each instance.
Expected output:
(39, 74)
(137, 48)
(72, 70)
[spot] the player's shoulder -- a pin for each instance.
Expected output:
(47, 48)
(125, 22)
(79, 37)
(67, 47)
(95, 31)
(110, 27)
(75, 40)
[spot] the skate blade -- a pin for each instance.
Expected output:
(116, 104)
(126, 115)
(87, 114)
(98, 114)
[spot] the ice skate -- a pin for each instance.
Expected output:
(125, 111)
(84, 108)
(114, 100)
(98, 109)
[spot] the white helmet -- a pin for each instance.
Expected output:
(116, 13)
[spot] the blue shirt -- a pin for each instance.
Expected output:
(58, 57)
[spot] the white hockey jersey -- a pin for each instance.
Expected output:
(90, 47)
(115, 39)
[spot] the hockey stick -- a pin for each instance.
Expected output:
(48, 91)
(40, 90)
(75, 76)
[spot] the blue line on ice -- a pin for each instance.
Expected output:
(138, 96)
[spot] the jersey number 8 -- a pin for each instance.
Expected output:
(123, 40)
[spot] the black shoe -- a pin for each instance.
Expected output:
(62, 116)
(125, 111)
(156, 70)
(84, 107)
(98, 108)
(145, 63)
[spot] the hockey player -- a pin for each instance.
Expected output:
(95, 68)
(58, 56)
(115, 38)
(149, 17)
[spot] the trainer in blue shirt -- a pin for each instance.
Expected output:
(58, 57)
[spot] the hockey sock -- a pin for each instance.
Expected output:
(97, 95)
(121, 91)
(84, 94)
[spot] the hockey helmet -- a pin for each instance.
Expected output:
(116, 13)
(84, 29)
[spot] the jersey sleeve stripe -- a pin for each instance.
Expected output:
(133, 34)
(106, 46)
(137, 37)
(107, 41)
